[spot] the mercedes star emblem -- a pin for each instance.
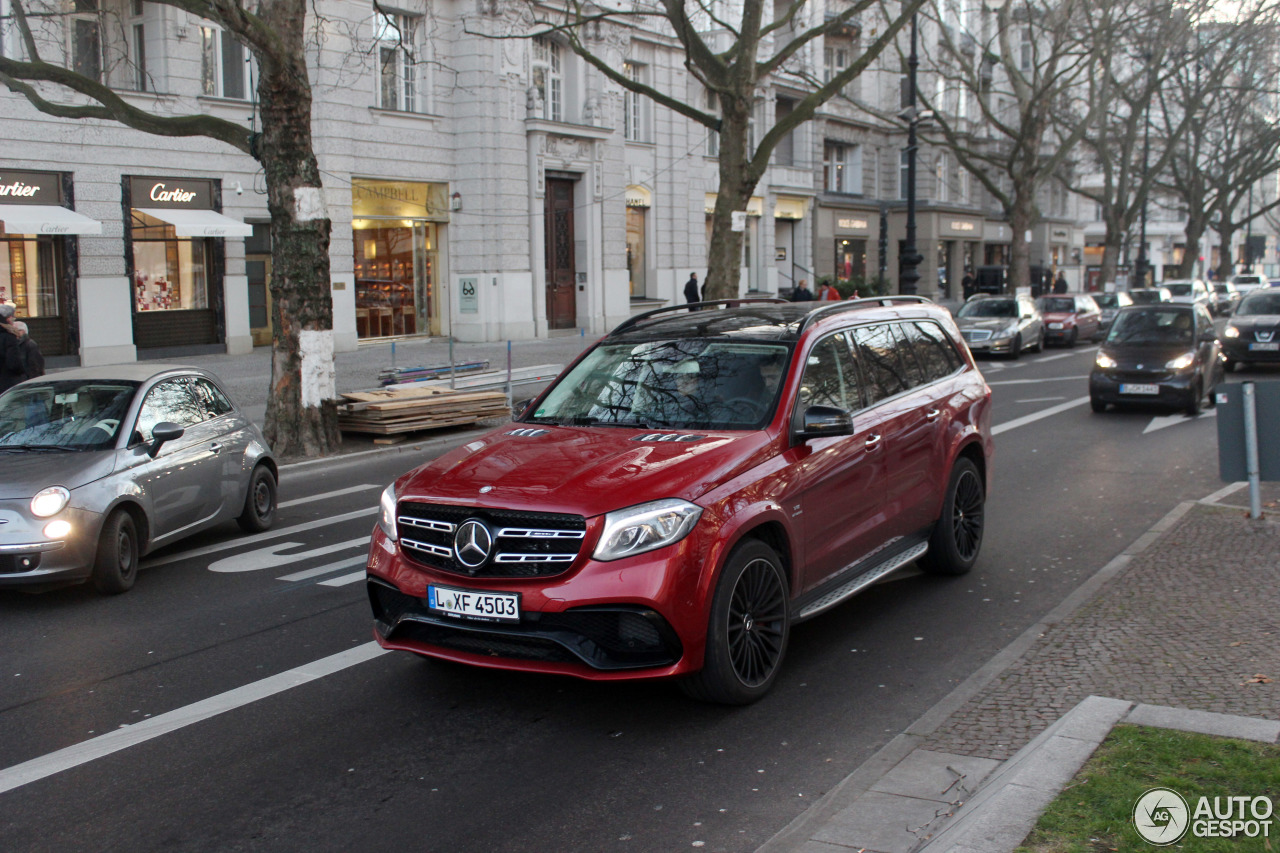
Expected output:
(472, 544)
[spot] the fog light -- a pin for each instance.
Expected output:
(58, 529)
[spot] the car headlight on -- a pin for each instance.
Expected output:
(1231, 332)
(1182, 362)
(50, 501)
(387, 512)
(57, 529)
(1104, 361)
(646, 527)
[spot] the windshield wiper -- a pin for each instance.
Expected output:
(58, 447)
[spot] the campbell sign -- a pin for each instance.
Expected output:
(172, 193)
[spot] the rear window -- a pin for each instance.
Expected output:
(1050, 304)
(1178, 289)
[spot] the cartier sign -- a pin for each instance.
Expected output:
(30, 187)
(172, 193)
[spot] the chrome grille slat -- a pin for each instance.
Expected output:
(535, 558)
(537, 533)
(428, 547)
(426, 523)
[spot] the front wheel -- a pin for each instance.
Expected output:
(1075, 336)
(747, 633)
(260, 503)
(1193, 407)
(115, 567)
(1097, 405)
(957, 535)
(1016, 351)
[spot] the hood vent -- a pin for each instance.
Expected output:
(667, 436)
(529, 433)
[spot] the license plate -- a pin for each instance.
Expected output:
(1275, 345)
(471, 604)
(1131, 388)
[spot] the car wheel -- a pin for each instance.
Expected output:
(115, 567)
(1075, 336)
(1229, 365)
(1040, 342)
(1097, 405)
(1193, 407)
(1016, 351)
(260, 504)
(957, 535)
(748, 629)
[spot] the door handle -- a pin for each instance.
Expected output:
(215, 447)
(932, 414)
(873, 440)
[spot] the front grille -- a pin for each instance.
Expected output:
(1142, 378)
(603, 637)
(525, 544)
(976, 335)
(13, 564)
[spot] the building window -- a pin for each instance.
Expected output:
(397, 40)
(966, 186)
(785, 152)
(1025, 57)
(941, 171)
(636, 249)
(170, 273)
(548, 78)
(834, 60)
(713, 136)
(842, 168)
(633, 104)
(137, 45)
(224, 64)
(85, 34)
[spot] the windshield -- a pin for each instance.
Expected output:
(1050, 304)
(70, 414)
(1146, 297)
(681, 384)
(989, 308)
(1177, 289)
(1259, 303)
(1107, 300)
(1152, 327)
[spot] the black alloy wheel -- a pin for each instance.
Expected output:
(957, 535)
(115, 567)
(750, 623)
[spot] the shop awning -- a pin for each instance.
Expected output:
(200, 223)
(46, 219)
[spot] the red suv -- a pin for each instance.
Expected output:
(692, 486)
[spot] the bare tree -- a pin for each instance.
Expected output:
(734, 50)
(301, 418)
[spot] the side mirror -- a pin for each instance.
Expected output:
(821, 421)
(162, 432)
(519, 407)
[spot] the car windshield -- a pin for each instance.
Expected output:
(1177, 288)
(1146, 297)
(1049, 304)
(1152, 327)
(989, 308)
(1107, 300)
(1259, 304)
(679, 384)
(1247, 279)
(67, 414)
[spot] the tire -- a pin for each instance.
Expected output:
(1075, 336)
(1193, 408)
(260, 503)
(1040, 342)
(115, 567)
(1016, 351)
(747, 631)
(957, 535)
(1229, 365)
(1097, 405)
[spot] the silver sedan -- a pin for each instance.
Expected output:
(101, 465)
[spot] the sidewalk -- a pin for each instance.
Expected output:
(1174, 629)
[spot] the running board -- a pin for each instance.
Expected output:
(864, 580)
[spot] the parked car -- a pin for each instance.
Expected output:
(1225, 298)
(1254, 331)
(1150, 295)
(1068, 317)
(1108, 305)
(1164, 354)
(1191, 291)
(1001, 324)
(690, 488)
(103, 464)
(1249, 281)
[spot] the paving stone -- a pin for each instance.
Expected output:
(928, 775)
(999, 826)
(885, 823)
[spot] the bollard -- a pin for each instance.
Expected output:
(508, 374)
(1251, 449)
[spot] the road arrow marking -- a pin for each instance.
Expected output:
(269, 557)
(1161, 423)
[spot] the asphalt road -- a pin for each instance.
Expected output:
(260, 718)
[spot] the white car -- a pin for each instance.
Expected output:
(1247, 281)
(1188, 291)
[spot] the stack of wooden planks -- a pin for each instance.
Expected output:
(393, 410)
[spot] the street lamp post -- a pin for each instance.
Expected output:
(910, 256)
(1140, 265)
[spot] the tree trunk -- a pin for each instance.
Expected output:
(1191, 255)
(1020, 220)
(724, 254)
(1226, 263)
(301, 415)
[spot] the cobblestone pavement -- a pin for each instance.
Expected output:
(1193, 621)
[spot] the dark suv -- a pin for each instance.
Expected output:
(689, 488)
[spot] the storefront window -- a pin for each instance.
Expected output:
(169, 273)
(851, 259)
(27, 275)
(636, 249)
(395, 277)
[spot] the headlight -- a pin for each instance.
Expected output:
(1182, 362)
(57, 529)
(1231, 332)
(387, 514)
(50, 501)
(1104, 361)
(646, 527)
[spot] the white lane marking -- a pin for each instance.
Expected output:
(344, 580)
(1032, 418)
(334, 494)
(132, 735)
(1225, 491)
(1040, 400)
(1048, 358)
(258, 537)
(325, 569)
(1171, 420)
(268, 557)
(1032, 381)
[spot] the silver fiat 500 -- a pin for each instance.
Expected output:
(103, 464)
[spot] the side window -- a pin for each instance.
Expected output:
(881, 365)
(168, 401)
(212, 401)
(830, 376)
(915, 372)
(935, 355)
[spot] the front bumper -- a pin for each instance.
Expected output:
(1237, 349)
(1174, 389)
(993, 345)
(1056, 335)
(28, 558)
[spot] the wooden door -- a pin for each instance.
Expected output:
(562, 306)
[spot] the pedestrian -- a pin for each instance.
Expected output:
(802, 293)
(966, 284)
(12, 370)
(691, 290)
(827, 293)
(32, 360)
(1060, 285)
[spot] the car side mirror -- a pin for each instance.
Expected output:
(519, 407)
(160, 433)
(822, 421)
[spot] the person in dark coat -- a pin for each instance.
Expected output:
(32, 360)
(802, 293)
(12, 368)
(1060, 286)
(691, 289)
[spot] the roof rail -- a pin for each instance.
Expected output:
(864, 302)
(630, 322)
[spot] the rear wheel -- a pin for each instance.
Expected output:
(1040, 342)
(116, 565)
(747, 633)
(260, 504)
(957, 535)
